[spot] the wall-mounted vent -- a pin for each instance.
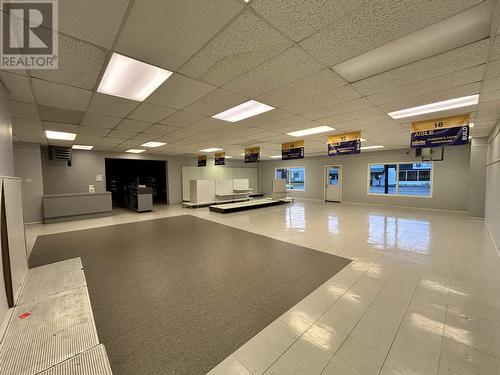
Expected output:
(60, 153)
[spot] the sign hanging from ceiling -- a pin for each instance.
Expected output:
(292, 150)
(220, 158)
(252, 154)
(344, 144)
(448, 131)
(202, 161)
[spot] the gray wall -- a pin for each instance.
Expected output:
(492, 204)
(450, 190)
(477, 176)
(28, 166)
(59, 178)
(6, 152)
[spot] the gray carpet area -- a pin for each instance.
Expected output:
(178, 295)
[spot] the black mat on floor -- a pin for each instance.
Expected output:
(178, 295)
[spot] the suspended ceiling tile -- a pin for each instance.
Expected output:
(361, 114)
(287, 67)
(27, 124)
(311, 85)
(100, 121)
(111, 105)
(208, 124)
(18, 86)
(92, 131)
(95, 21)
(61, 96)
(179, 91)
(160, 129)
(448, 62)
(245, 43)
(60, 114)
(122, 134)
(144, 137)
(491, 85)
(133, 125)
(266, 117)
(150, 112)
(183, 133)
(79, 64)
(215, 102)
(23, 110)
(173, 30)
(299, 18)
(87, 140)
(181, 118)
(60, 127)
(110, 141)
(445, 81)
(351, 106)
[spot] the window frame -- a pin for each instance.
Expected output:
(286, 183)
(397, 163)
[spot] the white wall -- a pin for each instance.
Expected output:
(450, 190)
(492, 204)
(28, 166)
(6, 153)
(477, 176)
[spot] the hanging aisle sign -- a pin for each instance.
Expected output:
(220, 158)
(292, 150)
(344, 144)
(448, 131)
(252, 154)
(202, 161)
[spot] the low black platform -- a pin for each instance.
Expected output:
(250, 205)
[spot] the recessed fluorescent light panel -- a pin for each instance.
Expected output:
(213, 149)
(135, 151)
(371, 147)
(153, 144)
(317, 130)
(464, 28)
(243, 111)
(131, 79)
(60, 135)
(464, 101)
(275, 157)
(82, 147)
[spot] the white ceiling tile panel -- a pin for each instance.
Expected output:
(377, 23)
(60, 127)
(93, 131)
(27, 124)
(299, 18)
(173, 30)
(79, 64)
(18, 86)
(61, 96)
(311, 85)
(87, 140)
(111, 105)
(158, 129)
(150, 112)
(181, 119)
(23, 110)
(95, 21)
(491, 84)
(451, 61)
(60, 115)
(495, 52)
(100, 121)
(362, 114)
(208, 124)
(326, 99)
(266, 118)
(133, 125)
(445, 81)
(245, 43)
(110, 141)
(287, 67)
(179, 91)
(215, 102)
(122, 134)
(493, 69)
(351, 106)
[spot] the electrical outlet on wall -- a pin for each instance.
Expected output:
(98, 178)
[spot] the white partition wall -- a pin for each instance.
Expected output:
(217, 173)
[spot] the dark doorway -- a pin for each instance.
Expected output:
(123, 173)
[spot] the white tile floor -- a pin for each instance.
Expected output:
(420, 297)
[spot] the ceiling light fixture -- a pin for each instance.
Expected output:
(464, 101)
(50, 134)
(82, 147)
(371, 147)
(243, 111)
(131, 79)
(471, 124)
(459, 30)
(135, 151)
(317, 130)
(213, 149)
(275, 157)
(228, 157)
(153, 144)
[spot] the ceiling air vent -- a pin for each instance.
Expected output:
(60, 153)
